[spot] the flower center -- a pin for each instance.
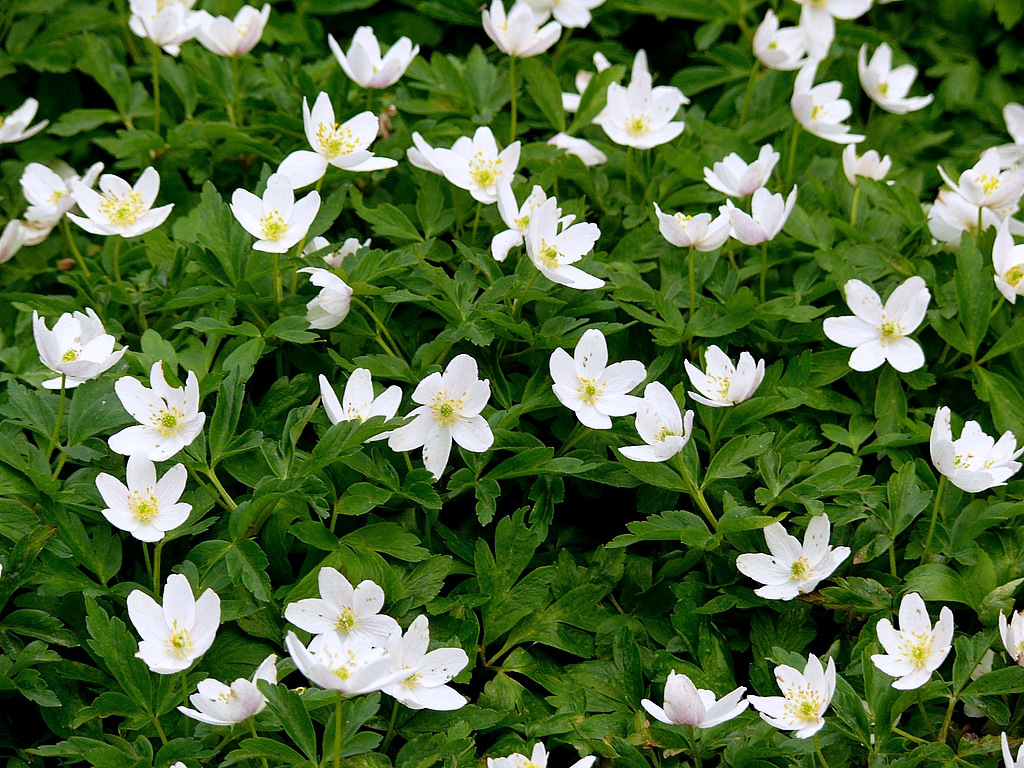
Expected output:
(817, 111)
(989, 184)
(800, 569)
(1014, 274)
(122, 211)
(179, 643)
(549, 254)
(803, 704)
(412, 681)
(167, 421)
(638, 126)
(664, 433)
(335, 139)
(522, 222)
(719, 387)
(883, 89)
(273, 226)
(57, 195)
(916, 648)
(72, 354)
(589, 390)
(143, 505)
(963, 460)
(445, 410)
(342, 672)
(889, 331)
(682, 219)
(483, 171)
(346, 621)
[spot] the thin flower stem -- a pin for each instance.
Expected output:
(55, 436)
(908, 736)
(224, 495)
(853, 206)
(713, 437)
(397, 353)
(821, 757)
(935, 514)
(408, 461)
(65, 229)
(476, 221)
(159, 729)
(235, 107)
(117, 258)
(157, 550)
(752, 80)
(252, 730)
(947, 719)
(629, 178)
(693, 289)
(512, 90)
(225, 740)
(154, 51)
(369, 100)
(791, 160)
(145, 559)
(924, 714)
(695, 492)
(981, 210)
(390, 733)
(278, 286)
(184, 688)
(892, 560)
(337, 729)
(517, 308)
(764, 267)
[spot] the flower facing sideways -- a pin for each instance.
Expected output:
(768, 215)
(49, 192)
(869, 165)
(587, 385)
(880, 334)
(364, 64)
(237, 36)
(358, 402)
(219, 704)
(450, 405)
(425, 675)
(14, 127)
(734, 178)
(793, 569)
(1008, 261)
(335, 258)
(587, 153)
(686, 704)
(517, 219)
(352, 666)
(554, 247)
(783, 49)
(988, 184)
(538, 759)
(329, 307)
(888, 87)
(974, 462)
(805, 697)
(663, 428)
(819, 109)
(519, 33)
(344, 611)
(119, 208)
(147, 508)
(640, 115)
(1012, 634)
(169, 417)
(179, 632)
(277, 221)
(699, 231)
(168, 24)
(915, 650)
(78, 348)
(951, 215)
(476, 165)
(724, 383)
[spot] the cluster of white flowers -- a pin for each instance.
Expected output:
(169, 24)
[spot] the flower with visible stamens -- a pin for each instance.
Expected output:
(641, 115)
(358, 402)
(975, 461)
(819, 109)
(277, 220)
(237, 36)
(805, 697)
(119, 208)
(519, 33)
(423, 684)
(351, 666)
(661, 425)
(554, 252)
(888, 87)
(724, 383)
(175, 635)
(344, 611)
(477, 166)
(915, 650)
(147, 508)
(219, 704)
(1008, 261)
(78, 348)
(1012, 635)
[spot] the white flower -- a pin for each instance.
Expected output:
(49, 193)
(639, 115)
(517, 219)
(17, 233)
(581, 148)
(734, 178)
(1009, 154)
(277, 221)
(782, 49)
(364, 64)
(343, 611)
(358, 402)
(78, 348)
(520, 33)
(1008, 760)
(147, 508)
(554, 252)
(819, 109)
(686, 704)
(568, 13)
(538, 759)
(724, 383)
(1012, 634)
(343, 146)
(987, 184)
(820, 16)
(14, 127)
(175, 635)
(587, 385)
(424, 675)
(915, 650)
(767, 217)
(422, 154)
(793, 569)
(571, 101)
(352, 666)
(951, 215)
(888, 87)
(234, 37)
(219, 704)
(869, 165)
(1008, 261)
(119, 208)
(335, 258)
(450, 405)
(974, 462)
(169, 418)
(880, 334)
(329, 307)
(805, 697)
(663, 428)
(168, 23)
(700, 231)
(476, 165)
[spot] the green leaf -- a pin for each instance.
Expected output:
(227, 412)
(937, 582)
(386, 220)
(728, 462)
(268, 749)
(288, 707)
(247, 563)
(675, 525)
(389, 539)
(543, 87)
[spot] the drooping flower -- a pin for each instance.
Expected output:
(768, 215)
(343, 146)
(698, 231)
(520, 33)
(1012, 634)
(554, 252)
(915, 650)
(805, 697)
(78, 348)
(819, 109)
(450, 406)
(888, 87)
(147, 508)
(1008, 760)
(49, 193)
(591, 388)
(793, 569)
(571, 101)
(329, 307)
(881, 334)
(358, 402)
(168, 24)
(17, 233)
(119, 208)
(538, 759)
(568, 13)
(15, 127)
(950, 216)
(169, 418)
(423, 684)
(686, 704)
(476, 165)
(734, 178)
(581, 148)
(335, 258)
(1008, 261)
(988, 184)
(219, 704)
(277, 220)
(663, 428)
(237, 36)
(179, 632)
(343, 611)
(364, 64)
(783, 49)
(640, 115)
(724, 383)
(974, 462)
(869, 165)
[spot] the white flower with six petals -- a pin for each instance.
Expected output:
(916, 649)
(119, 208)
(640, 115)
(724, 383)
(734, 178)
(425, 675)
(768, 215)
(277, 221)
(975, 461)
(554, 252)
(147, 508)
(805, 697)
(177, 633)
(343, 611)
(476, 165)
(78, 348)
(888, 87)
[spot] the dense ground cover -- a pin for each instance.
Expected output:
(573, 559)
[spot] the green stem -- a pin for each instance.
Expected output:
(184, 688)
(791, 160)
(892, 560)
(935, 515)
(755, 75)
(512, 89)
(55, 436)
(117, 258)
(817, 748)
(476, 221)
(764, 267)
(693, 282)
(334, 514)
(224, 495)
(157, 550)
(397, 353)
(947, 719)
(853, 206)
(517, 308)
(159, 729)
(278, 287)
(235, 113)
(154, 51)
(713, 437)
(149, 565)
(65, 229)
(408, 461)
(252, 730)
(629, 177)
(908, 736)
(337, 729)
(695, 492)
